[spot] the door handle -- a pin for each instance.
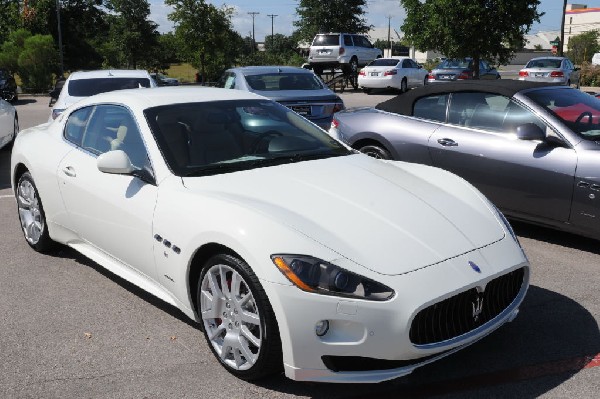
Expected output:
(69, 171)
(447, 142)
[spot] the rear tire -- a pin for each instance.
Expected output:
(239, 324)
(375, 151)
(366, 90)
(31, 215)
(403, 86)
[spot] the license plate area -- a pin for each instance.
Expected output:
(374, 73)
(445, 77)
(303, 110)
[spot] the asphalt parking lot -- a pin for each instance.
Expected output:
(72, 330)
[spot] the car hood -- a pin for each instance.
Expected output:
(390, 217)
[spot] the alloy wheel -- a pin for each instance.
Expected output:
(32, 219)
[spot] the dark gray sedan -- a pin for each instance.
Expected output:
(531, 148)
(452, 70)
(297, 88)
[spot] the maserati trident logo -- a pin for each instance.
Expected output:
(477, 306)
(474, 267)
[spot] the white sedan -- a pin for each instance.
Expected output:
(292, 251)
(400, 73)
(9, 123)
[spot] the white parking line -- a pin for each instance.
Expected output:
(6, 196)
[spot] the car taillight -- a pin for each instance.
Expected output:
(463, 76)
(430, 76)
(362, 72)
(557, 74)
(390, 72)
(342, 51)
(335, 123)
(523, 73)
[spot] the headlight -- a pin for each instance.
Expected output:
(315, 275)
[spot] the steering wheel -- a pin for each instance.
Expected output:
(583, 115)
(258, 141)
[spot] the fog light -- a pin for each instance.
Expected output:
(322, 327)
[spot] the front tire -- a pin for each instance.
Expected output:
(31, 215)
(239, 324)
(375, 151)
(403, 86)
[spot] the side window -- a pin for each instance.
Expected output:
(76, 125)
(348, 40)
(229, 81)
(112, 127)
(478, 110)
(366, 43)
(431, 108)
(516, 116)
(406, 64)
(413, 64)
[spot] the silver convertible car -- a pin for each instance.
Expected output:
(532, 148)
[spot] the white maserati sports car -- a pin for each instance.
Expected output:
(293, 252)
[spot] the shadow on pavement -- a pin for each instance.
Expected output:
(5, 167)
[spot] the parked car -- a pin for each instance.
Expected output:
(8, 86)
(164, 80)
(293, 253)
(345, 51)
(83, 84)
(296, 88)
(452, 69)
(531, 148)
(551, 69)
(9, 123)
(399, 73)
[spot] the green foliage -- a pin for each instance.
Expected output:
(398, 48)
(482, 29)
(266, 58)
(10, 20)
(37, 62)
(589, 75)
(11, 49)
(318, 16)
(581, 48)
(205, 35)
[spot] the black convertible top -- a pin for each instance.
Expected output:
(403, 103)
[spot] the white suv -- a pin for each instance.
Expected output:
(341, 50)
(87, 83)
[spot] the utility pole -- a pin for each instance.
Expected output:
(60, 47)
(254, 14)
(389, 17)
(562, 30)
(272, 16)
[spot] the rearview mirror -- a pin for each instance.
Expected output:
(530, 131)
(115, 162)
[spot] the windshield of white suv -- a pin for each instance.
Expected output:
(208, 138)
(89, 87)
(326, 40)
(284, 81)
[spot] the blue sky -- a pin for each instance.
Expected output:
(377, 14)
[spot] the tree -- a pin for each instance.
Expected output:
(318, 16)
(10, 19)
(205, 35)
(581, 48)
(11, 49)
(37, 62)
(482, 29)
(131, 31)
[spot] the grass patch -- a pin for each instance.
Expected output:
(186, 73)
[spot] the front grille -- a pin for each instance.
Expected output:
(457, 315)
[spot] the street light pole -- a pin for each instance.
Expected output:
(562, 31)
(272, 16)
(60, 46)
(253, 13)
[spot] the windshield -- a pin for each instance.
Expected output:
(578, 110)
(3, 74)
(454, 63)
(89, 87)
(284, 81)
(544, 63)
(384, 62)
(216, 137)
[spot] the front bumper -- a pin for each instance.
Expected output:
(379, 331)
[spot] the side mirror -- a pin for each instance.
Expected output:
(115, 162)
(530, 131)
(576, 69)
(419, 66)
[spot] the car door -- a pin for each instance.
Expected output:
(112, 212)
(406, 70)
(521, 177)
(6, 123)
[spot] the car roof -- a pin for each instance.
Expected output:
(107, 73)
(153, 97)
(256, 70)
(403, 103)
(550, 57)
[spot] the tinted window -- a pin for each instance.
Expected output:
(431, 108)
(327, 40)
(228, 136)
(348, 40)
(576, 109)
(384, 62)
(89, 87)
(284, 81)
(549, 63)
(4, 74)
(462, 63)
(76, 124)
